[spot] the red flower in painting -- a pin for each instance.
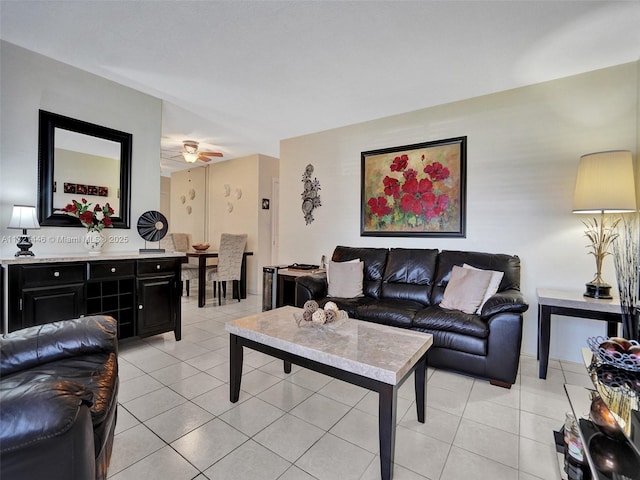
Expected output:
(400, 163)
(437, 171)
(379, 206)
(410, 174)
(418, 196)
(408, 196)
(391, 187)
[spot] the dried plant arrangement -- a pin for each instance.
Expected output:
(625, 257)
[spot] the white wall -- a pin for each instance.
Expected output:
(188, 215)
(250, 175)
(522, 155)
(29, 82)
(165, 197)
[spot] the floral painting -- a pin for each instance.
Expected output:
(415, 190)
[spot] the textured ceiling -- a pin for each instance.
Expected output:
(239, 76)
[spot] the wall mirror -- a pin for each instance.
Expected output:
(77, 160)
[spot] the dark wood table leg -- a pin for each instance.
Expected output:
(387, 429)
(287, 366)
(243, 277)
(420, 387)
(544, 333)
(202, 285)
(235, 368)
(612, 329)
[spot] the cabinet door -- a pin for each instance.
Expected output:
(156, 305)
(50, 304)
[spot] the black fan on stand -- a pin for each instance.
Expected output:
(152, 226)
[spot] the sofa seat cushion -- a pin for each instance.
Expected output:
(349, 305)
(455, 321)
(396, 313)
(458, 342)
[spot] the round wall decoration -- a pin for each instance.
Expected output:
(152, 226)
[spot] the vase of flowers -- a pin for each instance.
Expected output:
(94, 219)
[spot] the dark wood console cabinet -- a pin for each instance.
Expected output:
(142, 294)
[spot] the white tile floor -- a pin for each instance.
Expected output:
(175, 420)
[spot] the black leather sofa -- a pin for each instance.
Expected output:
(404, 287)
(58, 400)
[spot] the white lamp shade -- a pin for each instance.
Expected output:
(24, 217)
(605, 183)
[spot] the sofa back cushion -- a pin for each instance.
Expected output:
(509, 264)
(374, 260)
(410, 274)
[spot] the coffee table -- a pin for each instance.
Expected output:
(376, 357)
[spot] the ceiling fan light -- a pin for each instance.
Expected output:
(190, 157)
(190, 146)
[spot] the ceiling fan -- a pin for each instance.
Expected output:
(191, 154)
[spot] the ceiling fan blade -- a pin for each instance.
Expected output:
(212, 154)
(202, 158)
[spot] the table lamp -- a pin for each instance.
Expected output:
(604, 184)
(24, 217)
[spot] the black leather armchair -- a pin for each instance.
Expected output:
(58, 400)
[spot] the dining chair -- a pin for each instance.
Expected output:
(229, 265)
(181, 242)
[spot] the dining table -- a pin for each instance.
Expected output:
(202, 256)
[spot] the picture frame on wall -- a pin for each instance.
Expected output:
(415, 190)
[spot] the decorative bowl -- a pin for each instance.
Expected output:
(626, 361)
(201, 247)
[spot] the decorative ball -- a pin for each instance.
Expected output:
(307, 315)
(341, 315)
(311, 306)
(331, 306)
(331, 315)
(319, 317)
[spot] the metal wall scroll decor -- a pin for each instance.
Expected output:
(310, 196)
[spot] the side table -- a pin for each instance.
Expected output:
(571, 304)
(603, 460)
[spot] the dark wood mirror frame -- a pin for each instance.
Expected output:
(46, 165)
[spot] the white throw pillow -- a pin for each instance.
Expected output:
(465, 289)
(355, 260)
(346, 279)
(494, 284)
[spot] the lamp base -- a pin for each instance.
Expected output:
(24, 244)
(598, 290)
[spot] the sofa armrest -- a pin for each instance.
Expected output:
(505, 301)
(311, 287)
(34, 410)
(40, 344)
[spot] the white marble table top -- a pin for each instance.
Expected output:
(375, 351)
(575, 299)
